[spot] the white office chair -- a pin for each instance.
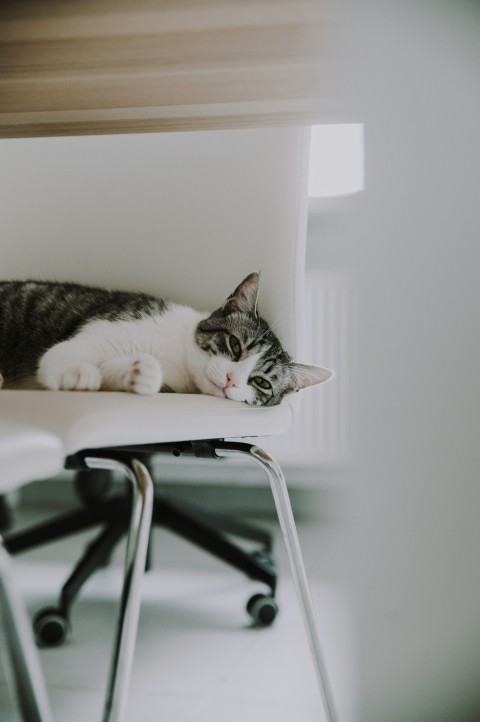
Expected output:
(226, 203)
(26, 453)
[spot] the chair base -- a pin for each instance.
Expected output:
(5, 514)
(211, 532)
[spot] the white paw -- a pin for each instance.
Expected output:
(76, 376)
(144, 375)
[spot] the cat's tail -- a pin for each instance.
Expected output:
(1, 380)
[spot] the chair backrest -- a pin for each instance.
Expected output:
(182, 215)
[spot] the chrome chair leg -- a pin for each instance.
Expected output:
(135, 559)
(292, 544)
(30, 690)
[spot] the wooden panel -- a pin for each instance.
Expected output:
(100, 67)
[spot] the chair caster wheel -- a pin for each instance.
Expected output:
(263, 609)
(50, 627)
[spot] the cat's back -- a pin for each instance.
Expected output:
(35, 315)
(63, 307)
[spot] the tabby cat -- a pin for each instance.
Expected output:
(72, 337)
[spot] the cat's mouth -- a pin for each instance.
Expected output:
(229, 392)
(214, 389)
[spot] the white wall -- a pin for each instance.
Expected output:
(412, 244)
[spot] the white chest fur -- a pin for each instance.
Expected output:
(138, 355)
(168, 337)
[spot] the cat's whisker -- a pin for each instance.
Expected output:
(271, 327)
(301, 372)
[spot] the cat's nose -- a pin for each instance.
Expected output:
(230, 382)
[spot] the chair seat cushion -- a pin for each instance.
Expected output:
(27, 453)
(87, 420)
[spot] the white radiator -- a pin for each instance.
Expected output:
(320, 435)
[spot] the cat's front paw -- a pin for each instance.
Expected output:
(76, 376)
(139, 374)
(144, 375)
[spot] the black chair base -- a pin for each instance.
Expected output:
(211, 532)
(5, 513)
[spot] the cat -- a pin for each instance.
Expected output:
(64, 336)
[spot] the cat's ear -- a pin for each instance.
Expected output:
(304, 375)
(244, 298)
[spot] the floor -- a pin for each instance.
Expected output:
(197, 657)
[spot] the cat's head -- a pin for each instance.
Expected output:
(242, 359)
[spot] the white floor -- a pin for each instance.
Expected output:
(197, 658)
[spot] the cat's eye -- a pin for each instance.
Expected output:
(235, 347)
(262, 383)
